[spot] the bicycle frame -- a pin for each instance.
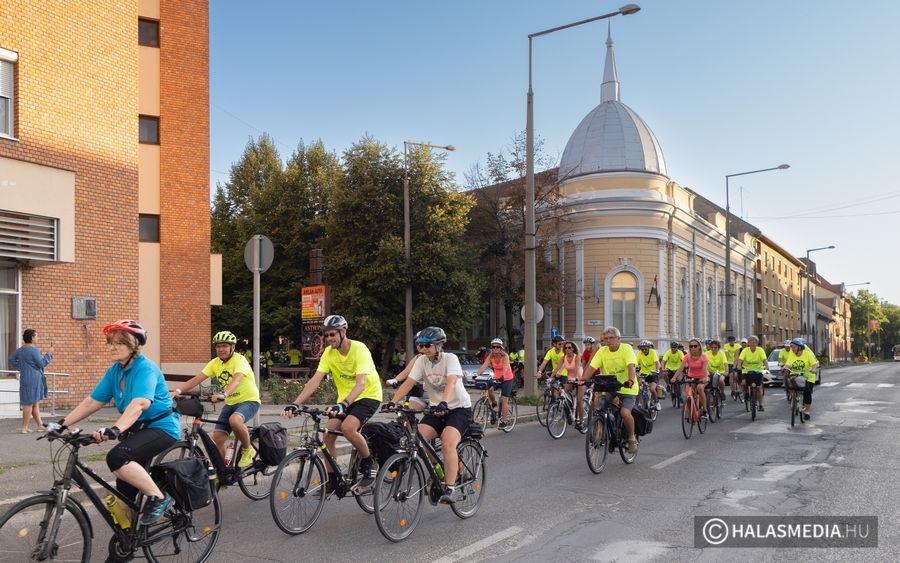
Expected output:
(315, 443)
(228, 474)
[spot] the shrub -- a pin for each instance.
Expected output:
(283, 391)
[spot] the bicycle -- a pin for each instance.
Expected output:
(545, 398)
(715, 399)
(300, 484)
(690, 413)
(254, 480)
(606, 427)
(416, 472)
(675, 388)
(647, 399)
(55, 526)
(795, 396)
(561, 411)
(736, 393)
(750, 403)
(486, 412)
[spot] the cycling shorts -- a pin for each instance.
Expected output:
(751, 377)
(455, 418)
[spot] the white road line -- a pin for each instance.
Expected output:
(474, 548)
(856, 385)
(829, 384)
(673, 459)
(883, 385)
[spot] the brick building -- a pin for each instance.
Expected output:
(104, 181)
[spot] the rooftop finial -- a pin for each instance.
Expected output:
(609, 89)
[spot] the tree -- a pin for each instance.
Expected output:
(865, 308)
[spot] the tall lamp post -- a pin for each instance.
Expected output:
(406, 240)
(528, 308)
(729, 305)
(811, 306)
(847, 339)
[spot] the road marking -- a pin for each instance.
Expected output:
(673, 459)
(474, 548)
(829, 384)
(884, 385)
(856, 385)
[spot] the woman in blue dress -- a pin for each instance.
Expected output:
(32, 387)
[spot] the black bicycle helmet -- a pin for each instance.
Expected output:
(432, 335)
(557, 338)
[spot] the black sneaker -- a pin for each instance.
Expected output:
(760, 408)
(451, 495)
(155, 508)
(806, 416)
(368, 470)
(502, 424)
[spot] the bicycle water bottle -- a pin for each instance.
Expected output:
(229, 453)
(439, 469)
(119, 515)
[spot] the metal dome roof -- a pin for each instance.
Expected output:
(612, 137)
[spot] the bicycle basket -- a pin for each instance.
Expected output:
(606, 384)
(797, 381)
(189, 406)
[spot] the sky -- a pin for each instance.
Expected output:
(726, 86)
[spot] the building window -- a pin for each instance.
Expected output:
(683, 308)
(7, 100)
(148, 228)
(148, 32)
(149, 129)
(710, 311)
(623, 294)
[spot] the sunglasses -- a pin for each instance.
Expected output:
(423, 346)
(329, 334)
(694, 346)
(569, 348)
(496, 347)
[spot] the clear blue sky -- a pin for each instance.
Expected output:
(726, 86)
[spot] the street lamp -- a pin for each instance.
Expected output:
(847, 339)
(406, 241)
(729, 306)
(528, 309)
(811, 308)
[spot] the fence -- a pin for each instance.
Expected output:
(9, 389)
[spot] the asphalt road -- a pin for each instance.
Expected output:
(543, 504)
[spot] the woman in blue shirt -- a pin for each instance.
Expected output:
(32, 387)
(147, 425)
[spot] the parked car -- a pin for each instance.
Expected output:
(469, 363)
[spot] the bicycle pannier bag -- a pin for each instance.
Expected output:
(189, 406)
(187, 480)
(383, 438)
(272, 442)
(643, 425)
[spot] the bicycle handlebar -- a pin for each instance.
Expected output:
(69, 436)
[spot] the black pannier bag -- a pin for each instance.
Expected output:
(187, 480)
(643, 425)
(273, 441)
(189, 406)
(383, 438)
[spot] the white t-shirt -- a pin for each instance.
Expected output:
(433, 376)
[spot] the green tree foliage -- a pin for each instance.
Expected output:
(864, 308)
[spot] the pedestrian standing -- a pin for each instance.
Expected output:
(32, 386)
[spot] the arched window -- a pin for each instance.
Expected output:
(623, 295)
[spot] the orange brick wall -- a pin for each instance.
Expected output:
(76, 109)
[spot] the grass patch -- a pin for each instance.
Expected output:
(5, 468)
(93, 457)
(530, 400)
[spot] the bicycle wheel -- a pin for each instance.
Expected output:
(595, 441)
(256, 481)
(23, 531)
(470, 478)
(687, 421)
(188, 537)
(481, 413)
(542, 406)
(400, 490)
(793, 399)
(365, 498)
(719, 399)
(512, 413)
(179, 450)
(628, 458)
(556, 420)
(676, 395)
(701, 422)
(753, 402)
(585, 409)
(298, 491)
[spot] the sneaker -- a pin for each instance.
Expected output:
(155, 508)
(632, 446)
(806, 416)
(368, 470)
(760, 408)
(704, 415)
(451, 495)
(579, 426)
(502, 424)
(246, 459)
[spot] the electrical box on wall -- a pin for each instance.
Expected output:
(84, 308)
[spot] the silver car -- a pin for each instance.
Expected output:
(470, 365)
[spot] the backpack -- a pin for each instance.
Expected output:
(643, 425)
(383, 438)
(272, 442)
(187, 480)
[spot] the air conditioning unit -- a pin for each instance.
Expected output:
(84, 308)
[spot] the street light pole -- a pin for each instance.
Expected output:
(408, 337)
(811, 308)
(528, 308)
(729, 305)
(847, 340)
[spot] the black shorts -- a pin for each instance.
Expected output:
(417, 391)
(363, 409)
(457, 418)
(752, 377)
(505, 387)
(140, 447)
(652, 378)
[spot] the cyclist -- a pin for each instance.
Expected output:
(782, 359)
(649, 365)
(749, 363)
(553, 355)
(571, 362)
(672, 360)
(417, 398)
(801, 360)
(695, 365)
(718, 366)
(590, 346)
(234, 376)
(147, 424)
(617, 359)
(441, 374)
(504, 379)
(706, 345)
(731, 348)
(359, 394)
